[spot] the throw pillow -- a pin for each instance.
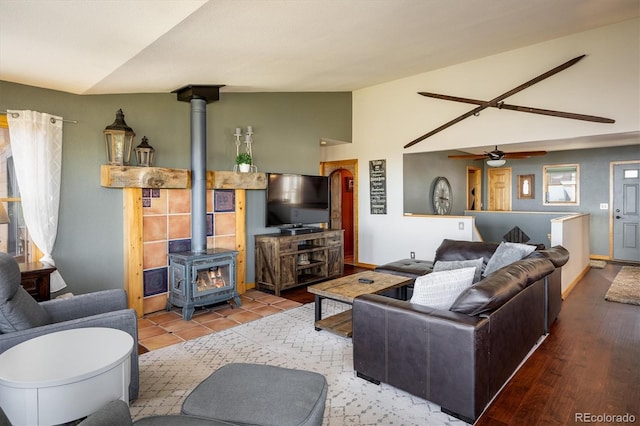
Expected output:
(443, 265)
(506, 254)
(439, 290)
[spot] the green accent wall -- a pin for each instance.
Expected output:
(89, 246)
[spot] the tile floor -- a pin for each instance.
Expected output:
(160, 329)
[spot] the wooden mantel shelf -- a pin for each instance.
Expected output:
(163, 178)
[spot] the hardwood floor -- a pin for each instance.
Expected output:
(589, 364)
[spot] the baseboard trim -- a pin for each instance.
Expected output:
(365, 265)
(575, 282)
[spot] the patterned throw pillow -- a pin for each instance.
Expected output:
(506, 254)
(448, 265)
(439, 290)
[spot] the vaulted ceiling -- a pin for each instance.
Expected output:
(156, 46)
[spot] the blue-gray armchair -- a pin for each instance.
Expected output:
(22, 318)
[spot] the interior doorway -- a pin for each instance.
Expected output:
(499, 189)
(474, 188)
(344, 206)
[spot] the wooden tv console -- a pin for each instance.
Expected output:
(287, 261)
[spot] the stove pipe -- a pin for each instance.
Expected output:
(199, 97)
(198, 175)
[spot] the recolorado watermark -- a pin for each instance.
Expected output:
(604, 418)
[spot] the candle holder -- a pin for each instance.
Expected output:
(144, 153)
(244, 160)
(118, 139)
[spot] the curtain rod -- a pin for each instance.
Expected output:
(52, 119)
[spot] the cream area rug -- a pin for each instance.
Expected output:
(287, 339)
(625, 287)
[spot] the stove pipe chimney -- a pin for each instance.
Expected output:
(199, 97)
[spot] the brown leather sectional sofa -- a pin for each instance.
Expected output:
(460, 358)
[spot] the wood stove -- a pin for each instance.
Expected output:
(201, 276)
(201, 279)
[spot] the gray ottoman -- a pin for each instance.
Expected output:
(253, 394)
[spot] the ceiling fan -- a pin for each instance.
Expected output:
(496, 158)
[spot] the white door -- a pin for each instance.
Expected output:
(626, 211)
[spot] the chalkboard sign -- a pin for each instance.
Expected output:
(378, 186)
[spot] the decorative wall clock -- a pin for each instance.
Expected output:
(441, 196)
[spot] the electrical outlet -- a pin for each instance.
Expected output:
(461, 226)
(413, 254)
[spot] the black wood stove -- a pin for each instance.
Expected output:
(201, 276)
(201, 279)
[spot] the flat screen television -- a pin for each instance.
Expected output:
(296, 200)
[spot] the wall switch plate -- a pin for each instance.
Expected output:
(461, 226)
(413, 254)
(604, 206)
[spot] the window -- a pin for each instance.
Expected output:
(14, 238)
(561, 184)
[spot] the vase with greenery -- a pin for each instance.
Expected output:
(243, 160)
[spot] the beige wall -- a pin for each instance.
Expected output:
(388, 116)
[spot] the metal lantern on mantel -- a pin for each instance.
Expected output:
(118, 138)
(144, 153)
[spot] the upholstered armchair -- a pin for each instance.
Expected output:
(22, 318)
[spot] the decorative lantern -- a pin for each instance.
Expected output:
(144, 153)
(118, 138)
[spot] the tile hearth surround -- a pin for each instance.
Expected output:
(162, 328)
(167, 229)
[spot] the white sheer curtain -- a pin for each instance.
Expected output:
(36, 145)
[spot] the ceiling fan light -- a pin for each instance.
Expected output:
(496, 163)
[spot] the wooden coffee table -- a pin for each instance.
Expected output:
(345, 289)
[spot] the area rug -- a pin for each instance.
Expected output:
(286, 339)
(625, 287)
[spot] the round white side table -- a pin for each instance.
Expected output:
(64, 376)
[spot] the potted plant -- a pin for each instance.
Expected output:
(243, 160)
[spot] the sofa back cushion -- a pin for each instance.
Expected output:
(18, 310)
(536, 266)
(464, 250)
(492, 292)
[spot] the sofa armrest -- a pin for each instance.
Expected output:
(558, 255)
(124, 319)
(435, 354)
(465, 250)
(411, 268)
(85, 305)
